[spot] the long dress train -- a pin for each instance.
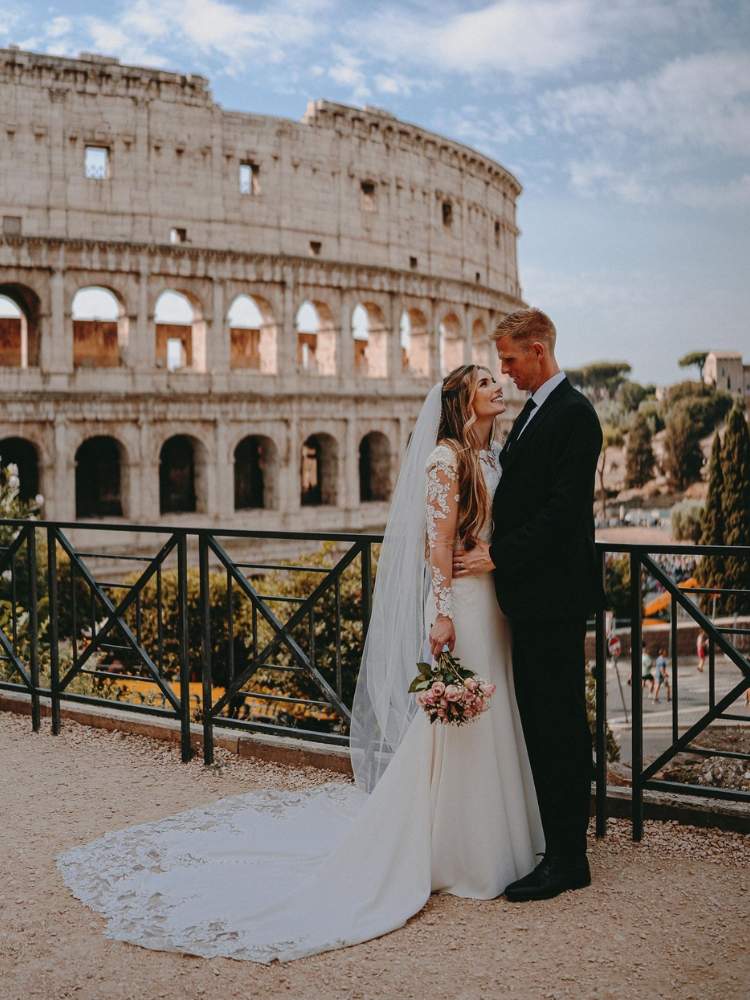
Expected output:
(279, 875)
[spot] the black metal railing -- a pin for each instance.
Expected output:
(238, 629)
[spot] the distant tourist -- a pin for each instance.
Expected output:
(662, 676)
(701, 648)
(647, 668)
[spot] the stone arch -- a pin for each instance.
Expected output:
(451, 343)
(100, 327)
(99, 465)
(414, 332)
(374, 467)
(180, 330)
(316, 338)
(182, 475)
(480, 344)
(256, 473)
(370, 334)
(319, 471)
(24, 455)
(20, 315)
(253, 334)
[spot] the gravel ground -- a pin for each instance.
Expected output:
(667, 918)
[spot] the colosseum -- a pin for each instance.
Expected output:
(229, 319)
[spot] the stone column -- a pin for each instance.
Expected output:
(345, 353)
(467, 334)
(349, 497)
(58, 353)
(143, 351)
(218, 348)
(434, 327)
(289, 483)
(286, 346)
(148, 505)
(221, 474)
(394, 341)
(63, 506)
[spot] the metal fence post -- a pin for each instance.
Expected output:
(207, 692)
(54, 651)
(33, 627)
(184, 652)
(636, 640)
(601, 716)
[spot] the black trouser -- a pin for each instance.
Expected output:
(550, 684)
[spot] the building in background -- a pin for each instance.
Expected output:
(230, 319)
(726, 370)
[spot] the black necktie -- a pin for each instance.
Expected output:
(520, 422)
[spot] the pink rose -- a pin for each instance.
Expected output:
(443, 703)
(438, 688)
(470, 684)
(488, 689)
(453, 692)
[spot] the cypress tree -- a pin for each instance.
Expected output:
(712, 527)
(639, 455)
(682, 451)
(735, 504)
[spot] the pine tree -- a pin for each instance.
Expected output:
(735, 505)
(639, 455)
(712, 527)
(682, 451)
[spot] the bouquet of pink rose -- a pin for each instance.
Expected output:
(449, 693)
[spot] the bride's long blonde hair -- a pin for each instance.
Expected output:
(457, 430)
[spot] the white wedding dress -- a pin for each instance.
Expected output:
(279, 875)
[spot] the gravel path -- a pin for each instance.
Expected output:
(667, 918)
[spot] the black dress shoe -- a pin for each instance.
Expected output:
(551, 877)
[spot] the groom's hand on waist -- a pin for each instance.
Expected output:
(472, 562)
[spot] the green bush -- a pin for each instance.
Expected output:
(687, 520)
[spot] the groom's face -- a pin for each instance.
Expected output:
(520, 360)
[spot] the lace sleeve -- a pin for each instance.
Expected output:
(442, 520)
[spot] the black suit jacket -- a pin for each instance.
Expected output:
(543, 534)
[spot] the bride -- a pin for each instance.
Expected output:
(436, 808)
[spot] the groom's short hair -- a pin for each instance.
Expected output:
(527, 324)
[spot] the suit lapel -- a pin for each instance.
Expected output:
(548, 407)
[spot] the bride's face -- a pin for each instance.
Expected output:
(488, 399)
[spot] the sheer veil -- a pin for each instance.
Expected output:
(382, 707)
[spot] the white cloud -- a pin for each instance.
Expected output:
(700, 100)
(347, 72)
(59, 26)
(592, 177)
(732, 194)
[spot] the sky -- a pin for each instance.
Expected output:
(626, 121)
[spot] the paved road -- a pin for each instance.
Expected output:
(657, 718)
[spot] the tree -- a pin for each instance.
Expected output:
(697, 358)
(712, 523)
(639, 455)
(631, 394)
(735, 505)
(683, 457)
(687, 521)
(601, 379)
(611, 438)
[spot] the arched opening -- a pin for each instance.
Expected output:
(255, 473)
(180, 333)
(253, 335)
(181, 475)
(415, 343)
(19, 326)
(100, 328)
(99, 477)
(24, 456)
(316, 339)
(319, 471)
(451, 344)
(480, 345)
(370, 341)
(374, 468)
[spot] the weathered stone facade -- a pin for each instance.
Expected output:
(135, 181)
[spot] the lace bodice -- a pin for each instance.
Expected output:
(442, 516)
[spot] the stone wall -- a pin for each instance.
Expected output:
(136, 181)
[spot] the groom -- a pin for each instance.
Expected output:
(543, 559)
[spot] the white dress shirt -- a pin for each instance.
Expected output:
(541, 394)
